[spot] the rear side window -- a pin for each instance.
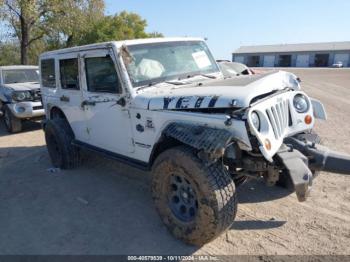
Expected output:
(48, 77)
(69, 73)
(101, 75)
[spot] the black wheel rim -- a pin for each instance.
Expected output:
(182, 198)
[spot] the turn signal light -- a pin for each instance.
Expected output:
(267, 144)
(308, 119)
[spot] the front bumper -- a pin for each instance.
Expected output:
(300, 158)
(27, 109)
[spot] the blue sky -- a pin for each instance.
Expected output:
(229, 24)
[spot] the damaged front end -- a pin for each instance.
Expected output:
(280, 140)
(302, 159)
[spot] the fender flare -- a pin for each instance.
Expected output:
(210, 140)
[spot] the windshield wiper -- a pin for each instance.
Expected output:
(150, 84)
(205, 75)
(175, 82)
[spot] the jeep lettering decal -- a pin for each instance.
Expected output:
(188, 102)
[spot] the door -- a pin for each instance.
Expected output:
(269, 61)
(321, 60)
(106, 112)
(69, 93)
(302, 61)
(344, 58)
(239, 59)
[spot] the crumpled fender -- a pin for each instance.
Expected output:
(210, 140)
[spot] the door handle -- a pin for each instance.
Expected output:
(88, 103)
(64, 98)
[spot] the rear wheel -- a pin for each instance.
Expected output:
(12, 123)
(196, 202)
(59, 138)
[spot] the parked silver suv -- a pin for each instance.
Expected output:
(20, 97)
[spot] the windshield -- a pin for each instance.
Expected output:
(20, 76)
(158, 62)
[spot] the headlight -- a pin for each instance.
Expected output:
(301, 104)
(21, 95)
(256, 120)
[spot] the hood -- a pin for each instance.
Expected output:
(23, 86)
(234, 92)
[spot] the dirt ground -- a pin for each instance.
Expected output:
(105, 207)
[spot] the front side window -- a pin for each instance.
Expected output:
(12, 76)
(48, 78)
(69, 73)
(158, 62)
(101, 75)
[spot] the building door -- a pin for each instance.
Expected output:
(285, 60)
(269, 61)
(302, 61)
(321, 60)
(253, 60)
(344, 58)
(239, 59)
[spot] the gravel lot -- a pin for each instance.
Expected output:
(106, 208)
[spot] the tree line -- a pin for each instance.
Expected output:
(31, 27)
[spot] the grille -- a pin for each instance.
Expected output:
(279, 118)
(36, 95)
(38, 107)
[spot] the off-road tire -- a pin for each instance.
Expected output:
(59, 137)
(284, 180)
(213, 186)
(12, 123)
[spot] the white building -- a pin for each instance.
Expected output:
(294, 55)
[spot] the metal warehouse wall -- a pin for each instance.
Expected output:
(297, 58)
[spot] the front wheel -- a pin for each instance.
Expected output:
(12, 123)
(196, 202)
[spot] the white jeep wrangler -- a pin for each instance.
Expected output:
(163, 104)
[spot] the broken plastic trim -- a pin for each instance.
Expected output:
(211, 140)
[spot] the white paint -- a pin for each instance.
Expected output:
(108, 124)
(281, 121)
(112, 127)
(302, 60)
(242, 89)
(269, 61)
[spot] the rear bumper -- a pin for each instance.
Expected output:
(27, 109)
(300, 158)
